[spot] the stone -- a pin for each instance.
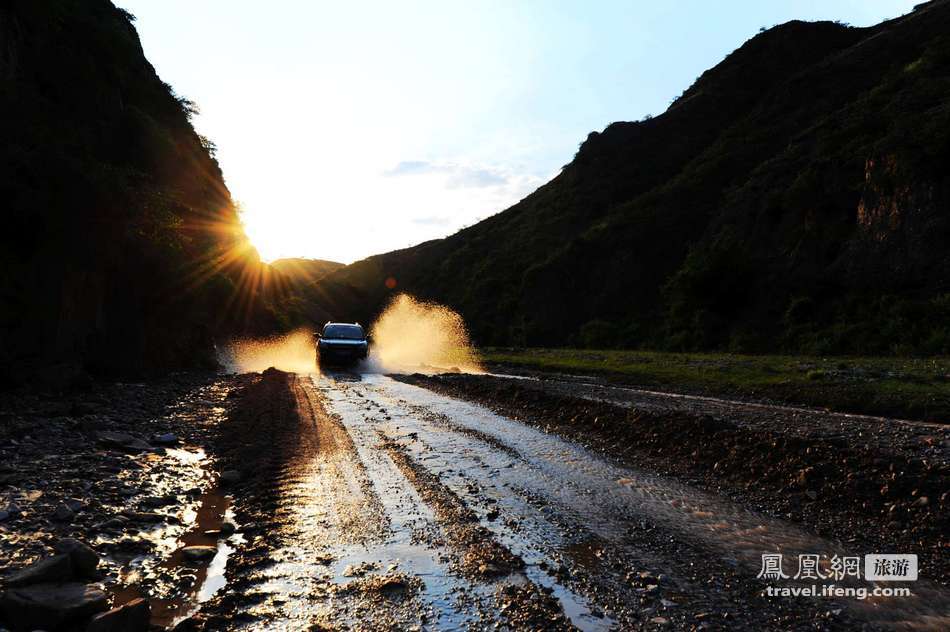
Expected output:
(47, 606)
(74, 504)
(133, 616)
(116, 439)
(198, 552)
(116, 522)
(228, 527)
(661, 621)
(137, 445)
(84, 559)
(4, 515)
(230, 477)
(63, 513)
(165, 439)
(58, 568)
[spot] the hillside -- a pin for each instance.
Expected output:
(794, 198)
(305, 271)
(121, 250)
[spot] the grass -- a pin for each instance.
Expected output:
(913, 388)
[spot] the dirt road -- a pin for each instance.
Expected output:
(457, 502)
(378, 504)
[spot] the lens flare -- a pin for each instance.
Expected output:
(411, 335)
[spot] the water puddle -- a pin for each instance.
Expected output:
(183, 579)
(182, 508)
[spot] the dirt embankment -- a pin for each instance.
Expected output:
(838, 486)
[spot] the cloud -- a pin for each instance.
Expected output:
(476, 179)
(457, 176)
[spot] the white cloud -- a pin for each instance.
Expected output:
(459, 176)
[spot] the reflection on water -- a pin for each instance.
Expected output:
(584, 488)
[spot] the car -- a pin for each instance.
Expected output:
(341, 344)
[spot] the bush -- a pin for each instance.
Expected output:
(598, 334)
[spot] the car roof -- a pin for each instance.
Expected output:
(349, 324)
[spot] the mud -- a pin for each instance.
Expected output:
(879, 486)
(362, 502)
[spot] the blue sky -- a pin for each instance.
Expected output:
(346, 129)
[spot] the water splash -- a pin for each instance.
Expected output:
(418, 336)
(293, 352)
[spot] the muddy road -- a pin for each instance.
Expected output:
(397, 507)
(345, 501)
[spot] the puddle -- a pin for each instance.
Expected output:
(192, 582)
(173, 585)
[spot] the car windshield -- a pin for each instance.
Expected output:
(346, 332)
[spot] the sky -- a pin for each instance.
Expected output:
(346, 129)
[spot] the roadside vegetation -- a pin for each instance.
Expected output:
(914, 388)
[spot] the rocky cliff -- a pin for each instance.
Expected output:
(121, 248)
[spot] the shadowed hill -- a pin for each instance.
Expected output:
(305, 271)
(795, 197)
(121, 248)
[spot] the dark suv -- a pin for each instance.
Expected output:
(342, 344)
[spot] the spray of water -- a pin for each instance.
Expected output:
(292, 352)
(417, 336)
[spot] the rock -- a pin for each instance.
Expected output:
(157, 501)
(47, 606)
(812, 494)
(137, 445)
(63, 513)
(227, 527)
(146, 516)
(84, 559)
(390, 583)
(165, 439)
(661, 621)
(230, 477)
(122, 440)
(133, 616)
(4, 515)
(57, 568)
(923, 501)
(115, 439)
(198, 552)
(74, 504)
(117, 522)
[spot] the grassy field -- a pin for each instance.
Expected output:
(913, 388)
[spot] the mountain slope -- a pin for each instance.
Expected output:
(795, 197)
(305, 271)
(121, 249)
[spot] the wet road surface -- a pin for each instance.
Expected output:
(406, 509)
